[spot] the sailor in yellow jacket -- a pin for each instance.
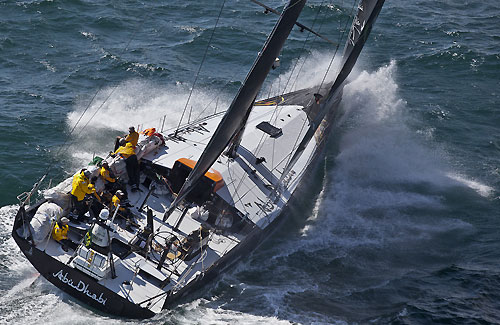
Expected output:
(127, 152)
(106, 173)
(119, 199)
(80, 187)
(107, 176)
(60, 232)
(132, 137)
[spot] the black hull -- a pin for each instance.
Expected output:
(76, 283)
(59, 274)
(258, 236)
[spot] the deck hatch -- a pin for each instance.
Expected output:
(273, 131)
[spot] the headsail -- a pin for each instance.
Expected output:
(232, 121)
(368, 11)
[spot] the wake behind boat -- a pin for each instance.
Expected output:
(175, 209)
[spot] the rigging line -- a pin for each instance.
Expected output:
(98, 109)
(291, 6)
(59, 151)
(312, 42)
(337, 48)
(236, 189)
(304, 46)
(260, 144)
(324, 77)
(241, 197)
(73, 142)
(201, 65)
(216, 97)
(301, 26)
(296, 63)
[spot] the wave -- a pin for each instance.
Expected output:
(373, 222)
(136, 103)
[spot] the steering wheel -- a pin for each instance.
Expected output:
(162, 241)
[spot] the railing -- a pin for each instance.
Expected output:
(25, 197)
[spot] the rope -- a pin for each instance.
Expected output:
(215, 98)
(63, 146)
(289, 156)
(258, 148)
(201, 253)
(337, 47)
(312, 42)
(201, 65)
(52, 225)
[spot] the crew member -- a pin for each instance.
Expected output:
(117, 200)
(95, 202)
(124, 211)
(60, 232)
(80, 187)
(131, 163)
(132, 137)
(101, 230)
(107, 176)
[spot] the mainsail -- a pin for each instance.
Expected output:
(232, 122)
(368, 11)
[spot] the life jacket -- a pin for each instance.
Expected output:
(99, 235)
(60, 232)
(149, 132)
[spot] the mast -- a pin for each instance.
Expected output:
(233, 120)
(368, 11)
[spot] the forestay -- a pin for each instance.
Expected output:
(233, 120)
(368, 11)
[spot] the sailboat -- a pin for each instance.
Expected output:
(209, 192)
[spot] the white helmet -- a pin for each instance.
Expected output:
(104, 214)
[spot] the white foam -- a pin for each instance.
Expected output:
(482, 189)
(133, 103)
(304, 73)
(17, 264)
(380, 163)
(138, 103)
(382, 170)
(196, 312)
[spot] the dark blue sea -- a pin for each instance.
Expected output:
(401, 223)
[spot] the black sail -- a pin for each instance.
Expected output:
(233, 119)
(368, 11)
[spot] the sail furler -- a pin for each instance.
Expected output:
(233, 120)
(368, 11)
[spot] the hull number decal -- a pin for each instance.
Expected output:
(81, 286)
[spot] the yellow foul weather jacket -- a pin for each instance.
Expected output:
(60, 232)
(105, 175)
(133, 138)
(126, 151)
(81, 186)
(115, 200)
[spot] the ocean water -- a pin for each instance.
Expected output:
(401, 224)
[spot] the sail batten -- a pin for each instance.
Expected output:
(368, 11)
(232, 121)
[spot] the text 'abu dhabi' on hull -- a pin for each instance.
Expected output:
(168, 211)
